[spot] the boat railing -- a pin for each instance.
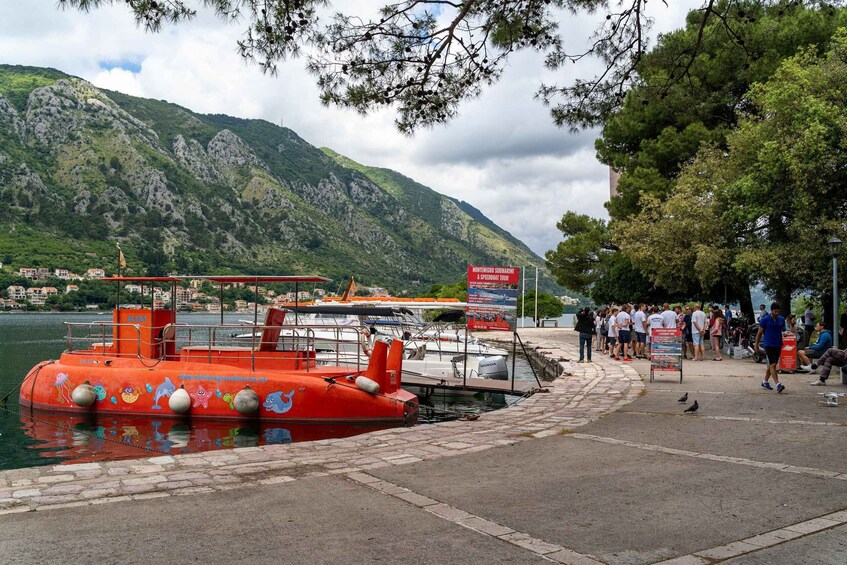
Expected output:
(339, 344)
(343, 345)
(98, 338)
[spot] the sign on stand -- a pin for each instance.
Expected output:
(666, 351)
(788, 354)
(492, 298)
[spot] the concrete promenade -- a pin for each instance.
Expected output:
(604, 468)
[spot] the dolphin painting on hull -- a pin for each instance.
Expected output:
(278, 402)
(167, 388)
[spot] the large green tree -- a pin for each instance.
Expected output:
(664, 121)
(684, 243)
(581, 258)
(762, 208)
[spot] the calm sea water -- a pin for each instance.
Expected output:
(36, 438)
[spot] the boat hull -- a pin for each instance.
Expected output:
(143, 387)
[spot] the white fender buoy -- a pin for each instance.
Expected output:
(246, 401)
(180, 401)
(84, 395)
(367, 385)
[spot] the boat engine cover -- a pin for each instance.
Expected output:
(494, 368)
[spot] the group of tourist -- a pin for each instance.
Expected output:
(623, 333)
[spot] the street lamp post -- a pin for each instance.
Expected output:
(536, 295)
(834, 245)
(523, 296)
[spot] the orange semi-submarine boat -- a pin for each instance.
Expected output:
(145, 363)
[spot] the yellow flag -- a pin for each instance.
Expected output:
(121, 258)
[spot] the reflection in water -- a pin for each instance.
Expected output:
(82, 438)
(441, 406)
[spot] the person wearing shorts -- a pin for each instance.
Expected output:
(639, 323)
(611, 333)
(699, 324)
(623, 321)
(770, 335)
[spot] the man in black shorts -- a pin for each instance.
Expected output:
(771, 327)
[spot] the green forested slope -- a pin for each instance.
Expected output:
(81, 168)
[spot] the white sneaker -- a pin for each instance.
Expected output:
(818, 383)
(807, 368)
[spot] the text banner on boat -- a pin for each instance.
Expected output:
(492, 297)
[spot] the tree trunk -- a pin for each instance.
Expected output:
(745, 299)
(783, 296)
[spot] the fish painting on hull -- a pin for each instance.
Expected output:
(278, 402)
(166, 389)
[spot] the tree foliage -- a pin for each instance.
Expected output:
(683, 101)
(663, 121)
(426, 56)
(548, 306)
(578, 261)
(762, 209)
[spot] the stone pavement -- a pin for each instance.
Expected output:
(753, 476)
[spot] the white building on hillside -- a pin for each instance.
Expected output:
(16, 292)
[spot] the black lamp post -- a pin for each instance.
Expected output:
(834, 245)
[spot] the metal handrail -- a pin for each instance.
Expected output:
(299, 338)
(103, 325)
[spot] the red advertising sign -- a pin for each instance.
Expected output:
(788, 355)
(497, 277)
(492, 297)
(666, 350)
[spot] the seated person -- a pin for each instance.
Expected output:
(817, 349)
(833, 357)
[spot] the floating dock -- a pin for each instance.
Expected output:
(472, 384)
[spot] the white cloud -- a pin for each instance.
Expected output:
(503, 155)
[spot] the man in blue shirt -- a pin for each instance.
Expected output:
(771, 327)
(817, 349)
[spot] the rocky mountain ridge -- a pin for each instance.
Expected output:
(211, 193)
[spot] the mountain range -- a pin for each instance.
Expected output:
(82, 168)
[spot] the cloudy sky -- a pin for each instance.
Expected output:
(502, 155)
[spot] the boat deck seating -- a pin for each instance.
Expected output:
(245, 357)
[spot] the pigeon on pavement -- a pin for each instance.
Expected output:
(693, 408)
(684, 398)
